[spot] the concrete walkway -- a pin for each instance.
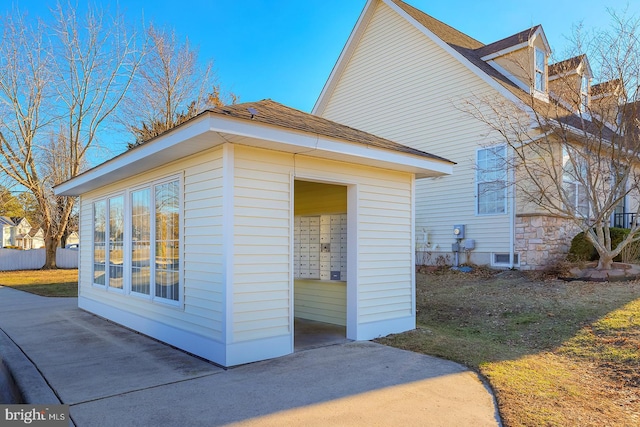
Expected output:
(112, 376)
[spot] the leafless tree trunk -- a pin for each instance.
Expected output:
(574, 158)
(65, 80)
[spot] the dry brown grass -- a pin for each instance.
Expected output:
(556, 353)
(49, 283)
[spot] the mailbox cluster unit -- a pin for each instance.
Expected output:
(320, 247)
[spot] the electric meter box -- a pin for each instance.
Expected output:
(458, 231)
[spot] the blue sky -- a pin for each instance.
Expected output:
(285, 49)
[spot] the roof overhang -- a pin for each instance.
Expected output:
(210, 130)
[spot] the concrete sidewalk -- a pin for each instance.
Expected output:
(112, 376)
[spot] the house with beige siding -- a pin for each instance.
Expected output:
(410, 78)
(216, 235)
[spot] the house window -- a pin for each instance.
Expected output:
(99, 239)
(116, 241)
(108, 242)
(540, 82)
(573, 176)
(584, 93)
(151, 250)
(491, 180)
(141, 241)
(502, 260)
(167, 240)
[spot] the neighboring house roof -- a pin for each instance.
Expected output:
(468, 47)
(473, 51)
(507, 42)
(34, 231)
(606, 88)
(274, 113)
(566, 65)
(6, 221)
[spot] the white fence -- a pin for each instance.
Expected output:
(14, 259)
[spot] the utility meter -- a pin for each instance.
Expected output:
(458, 231)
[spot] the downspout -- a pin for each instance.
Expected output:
(512, 216)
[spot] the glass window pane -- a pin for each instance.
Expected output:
(99, 241)
(491, 180)
(140, 241)
(116, 241)
(167, 258)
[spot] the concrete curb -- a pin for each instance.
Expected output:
(30, 383)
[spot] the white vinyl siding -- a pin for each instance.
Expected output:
(262, 239)
(400, 85)
(201, 309)
(323, 301)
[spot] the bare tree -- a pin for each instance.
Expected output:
(171, 87)
(63, 79)
(576, 156)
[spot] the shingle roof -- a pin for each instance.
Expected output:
(5, 220)
(566, 65)
(474, 50)
(507, 42)
(463, 44)
(605, 88)
(276, 114)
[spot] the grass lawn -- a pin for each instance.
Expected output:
(48, 283)
(555, 353)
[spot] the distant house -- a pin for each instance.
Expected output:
(21, 237)
(17, 232)
(406, 76)
(73, 238)
(37, 238)
(6, 227)
(213, 236)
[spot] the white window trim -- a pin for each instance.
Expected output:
(516, 260)
(152, 185)
(545, 81)
(477, 195)
(584, 95)
(577, 185)
(126, 288)
(107, 277)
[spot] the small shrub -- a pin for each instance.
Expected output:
(583, 250)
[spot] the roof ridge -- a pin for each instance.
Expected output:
(417, 13)
(507, 42)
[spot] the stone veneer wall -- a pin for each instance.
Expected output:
(542, 240)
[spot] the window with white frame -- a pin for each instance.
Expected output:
(540, 76)
(141, 241)
(584, 93)
(573, 176)
(491, 180)
(108, 242)
(166, 241)
(99, 242)
(151, 248)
